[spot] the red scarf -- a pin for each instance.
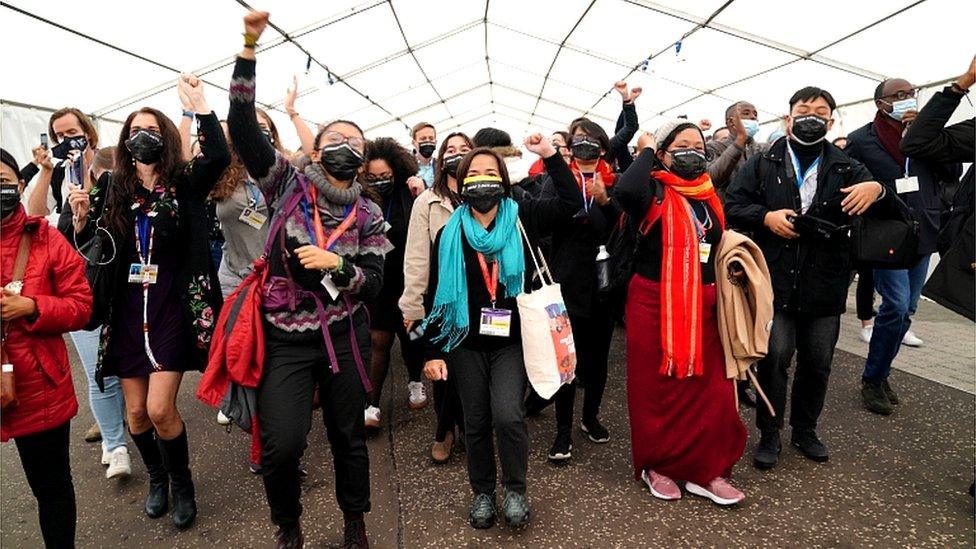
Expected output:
(890, 136)
(681, 288)
(602, 167)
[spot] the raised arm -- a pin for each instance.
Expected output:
(305, 134)
(928, 138)
(205, 170)
(543, 213)
(37, 198)
(186, 120)
(633, 190)
(270, 169)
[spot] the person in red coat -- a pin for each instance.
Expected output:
(54, 298)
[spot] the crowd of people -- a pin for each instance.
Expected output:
(139, 249)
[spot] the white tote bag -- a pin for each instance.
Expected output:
(547, 338)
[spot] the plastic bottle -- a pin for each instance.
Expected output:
(603, 268)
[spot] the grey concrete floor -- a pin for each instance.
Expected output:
(891, 481)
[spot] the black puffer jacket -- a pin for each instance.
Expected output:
(809, 276)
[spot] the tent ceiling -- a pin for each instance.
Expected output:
(514, 63)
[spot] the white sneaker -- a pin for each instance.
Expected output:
(372, 417)
(911, 340)
(106, 456)
(119, 465)
(222, 419)
(418, 399)
(866, 333)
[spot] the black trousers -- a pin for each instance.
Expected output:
(291, 371)
(491, 386)
(592, 336)
(44, 457)
(447, 405)
(812, 339)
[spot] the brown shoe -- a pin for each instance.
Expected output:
(93, 434)
(440, 452)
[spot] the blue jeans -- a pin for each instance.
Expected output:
(108, 407)
(899, 290)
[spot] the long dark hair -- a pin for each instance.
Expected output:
(440, 185)
(125, 179)
(462, 171)
(401, 161)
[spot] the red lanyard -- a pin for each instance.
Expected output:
(491, 281)
(320, 232)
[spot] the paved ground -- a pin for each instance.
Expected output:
(895, 481)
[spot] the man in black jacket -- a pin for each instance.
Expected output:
(918, 183)
(801, 176)
(928, 138)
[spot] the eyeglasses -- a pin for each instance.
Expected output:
(336, 138)
(902, 94)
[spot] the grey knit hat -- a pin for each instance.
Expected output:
(665, 133)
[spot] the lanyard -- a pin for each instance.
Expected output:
(907, 160)
(491, 281)
(317, 233)
(701, 228)
(801, 178)
(145, 233)
(587, 203)
(255, 194)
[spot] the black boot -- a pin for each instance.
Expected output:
(157, 502)
(289, 537)
(355, 532)
(176, 457)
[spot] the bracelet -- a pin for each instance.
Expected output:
(293, 114)
(248, 46)
(8, 368)
(250, 41)
(188, 114)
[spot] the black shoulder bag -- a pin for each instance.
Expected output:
(885, 241)
(99, 253)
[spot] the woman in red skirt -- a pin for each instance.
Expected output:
(685, 426)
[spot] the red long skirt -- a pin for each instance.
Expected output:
(685, 428)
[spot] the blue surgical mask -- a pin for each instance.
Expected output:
(899, 108)
(751, 126)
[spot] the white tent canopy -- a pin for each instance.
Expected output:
(514, 64)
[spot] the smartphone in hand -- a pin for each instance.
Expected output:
(44, 141)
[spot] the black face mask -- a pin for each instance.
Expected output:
(382, 186)
(145, 146)
(9, 199)
(688, 164)
(268, 135)
(61, 150)
(585, 149)
(426, 149)
(451, 164)
(809, 129)
(341, 161)
(483, 196)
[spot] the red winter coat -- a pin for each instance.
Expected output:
(55, 279)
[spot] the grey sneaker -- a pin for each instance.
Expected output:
(890, 393)
(517, 512)
(481, 514)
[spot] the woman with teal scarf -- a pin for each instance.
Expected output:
(478, 270)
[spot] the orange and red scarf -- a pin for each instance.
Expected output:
(681, 288)
(602, 167)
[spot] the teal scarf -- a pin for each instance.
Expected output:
(503, 243)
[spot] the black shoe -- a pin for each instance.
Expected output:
(481, 514)
(808, 444)
(290, 537)
(767, 451)
(562, 447)
(874, 398)
(890, 393)
(746, 397)
(176, 457)
(157, 501)
(355, 532)
(595, 431)
(517, 512)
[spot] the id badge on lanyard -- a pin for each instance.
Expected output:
(250, 215)
(144, 272)
(907, 184)
(493, 322)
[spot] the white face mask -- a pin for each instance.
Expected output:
(899, 108)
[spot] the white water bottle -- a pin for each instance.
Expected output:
(603, 268)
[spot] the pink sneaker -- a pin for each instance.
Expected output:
(660, 486)
(718, 490)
